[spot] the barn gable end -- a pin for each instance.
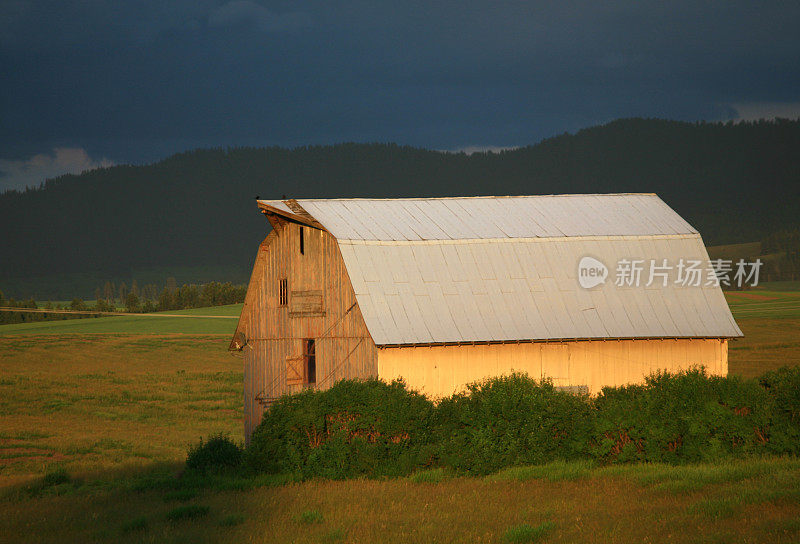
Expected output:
(318, 304)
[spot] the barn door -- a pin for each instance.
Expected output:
(302, 369)
(295, 374)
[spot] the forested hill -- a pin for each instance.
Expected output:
(733, 182)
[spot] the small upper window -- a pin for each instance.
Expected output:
(302, 242)
(283, 292)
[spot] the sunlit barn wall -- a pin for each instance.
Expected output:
(344, 348)
(439, 371)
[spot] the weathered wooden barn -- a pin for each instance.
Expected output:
(446, 291)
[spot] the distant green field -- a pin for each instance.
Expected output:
(773, 300)
(224, 322)
(778, 286)
(764, 303)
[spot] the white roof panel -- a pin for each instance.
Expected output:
(496, 217)
(462, 305)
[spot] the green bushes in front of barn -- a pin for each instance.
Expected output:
(511, 420)
(372, 428)
(354, 428)
(783, 387)
(683, 417)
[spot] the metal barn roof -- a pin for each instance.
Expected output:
(495, 217)
(490, 269)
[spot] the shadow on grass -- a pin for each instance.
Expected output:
(166, 503)
(163, 502)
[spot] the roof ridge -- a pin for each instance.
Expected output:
(521, 239)
(469, 197)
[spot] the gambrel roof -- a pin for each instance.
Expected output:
(499, 269)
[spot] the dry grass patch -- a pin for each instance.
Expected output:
(99, 402)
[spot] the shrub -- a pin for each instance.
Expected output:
(511, 420)
(684, 416)
(783, 387)
(373, 428)
(191, 511)
(357, 427)
(55, 477)
(218, 453)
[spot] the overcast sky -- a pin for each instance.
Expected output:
(87, 84)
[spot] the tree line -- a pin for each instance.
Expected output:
(133, 300)
(11, 317)
(171, 297)
(734, 182)
(785, 245)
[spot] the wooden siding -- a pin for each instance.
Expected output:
(439, 371)
(321, 305)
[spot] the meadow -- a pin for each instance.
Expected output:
(219, 320)
(97, 415)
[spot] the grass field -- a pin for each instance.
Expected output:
(223, 322)
(96, 416)
(753, 501)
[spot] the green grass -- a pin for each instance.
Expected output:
(779, 286)
(715, 508)
(553, 472)
(224, 324)
(620, 503)
(99, 402)
(764, 303)
(308, 517)
(768, 343)
(520, 534)
(337, 535)
(686, 478)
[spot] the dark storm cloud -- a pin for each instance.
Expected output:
(134, 81)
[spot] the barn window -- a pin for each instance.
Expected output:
(310, 358)
(302, 242)
(283, 292)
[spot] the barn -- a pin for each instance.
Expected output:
(445, 291)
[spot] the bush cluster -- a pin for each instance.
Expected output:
(373, 428)
(354, 428)
(510, 420)
(215, 454)
(688, 416)
(783, 387)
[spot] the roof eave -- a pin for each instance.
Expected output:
(552, 340)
